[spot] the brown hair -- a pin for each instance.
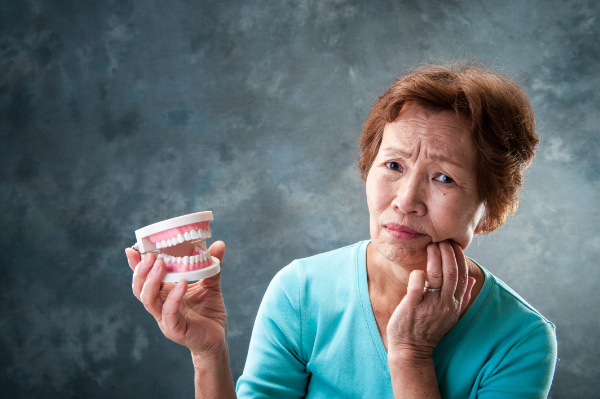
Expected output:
(502, 124)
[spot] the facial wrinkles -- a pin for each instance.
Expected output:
(435, 147)
(427, 144)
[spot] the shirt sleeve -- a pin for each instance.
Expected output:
(526, 371)
(275, 367)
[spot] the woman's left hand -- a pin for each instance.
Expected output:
(423, 318)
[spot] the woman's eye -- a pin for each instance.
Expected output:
(442, 178)
(393, 165)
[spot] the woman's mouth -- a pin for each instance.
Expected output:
(401, 232)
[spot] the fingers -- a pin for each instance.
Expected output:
(450, 269)
(140, 273)
(414, 291)
(150, 290)
(170, 311)
(434, 266)
(463, 272)
(133, 257)
(467, 296)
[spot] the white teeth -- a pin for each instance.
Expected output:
(167, 260)
(172, 242)
(207, 233)
(200, 233)
(163, 244)
(186, 260)
(179, 260)
(187, 236)
(197, 249)
(197, 258)
(160, 256)
(180, 238)
(157, 245)
(194, 234)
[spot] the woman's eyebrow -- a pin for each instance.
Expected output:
(396, 151)
(442, 158)
(435, 157)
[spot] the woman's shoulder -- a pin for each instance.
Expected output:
(324, 271)
(340, 261)
(500, 303)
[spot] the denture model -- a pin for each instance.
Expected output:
(179, 242)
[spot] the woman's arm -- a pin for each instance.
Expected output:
(526, 370)
(423, 318)
(212, 376)
(413, 378)
(276, 363)
(192, 316)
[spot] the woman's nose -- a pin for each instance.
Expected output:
(410, 198)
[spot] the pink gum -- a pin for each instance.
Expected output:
(168, 234)
(179, 267)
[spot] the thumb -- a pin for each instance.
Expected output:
(217, 249)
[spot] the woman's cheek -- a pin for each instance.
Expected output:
(469, 224)
(452, 221)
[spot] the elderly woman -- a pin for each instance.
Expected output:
(405, 314)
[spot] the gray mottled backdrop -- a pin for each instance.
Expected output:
(118, 114)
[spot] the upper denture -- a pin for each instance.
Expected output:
(174, 236)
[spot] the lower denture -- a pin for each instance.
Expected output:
(180, 267)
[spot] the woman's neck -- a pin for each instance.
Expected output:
(387, 281)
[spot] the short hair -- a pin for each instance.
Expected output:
(502, 126)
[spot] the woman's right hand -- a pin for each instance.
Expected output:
(192, 316)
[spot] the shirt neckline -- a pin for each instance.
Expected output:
(449, 338)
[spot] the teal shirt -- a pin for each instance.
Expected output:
(315, 336)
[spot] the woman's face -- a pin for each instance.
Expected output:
(422, 186)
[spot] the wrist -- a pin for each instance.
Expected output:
(212, 375)
(410, 357)
(204, 359)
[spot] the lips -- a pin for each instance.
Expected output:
(402, 232)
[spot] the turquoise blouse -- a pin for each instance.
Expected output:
(315, 336)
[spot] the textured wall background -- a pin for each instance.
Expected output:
(118, 114)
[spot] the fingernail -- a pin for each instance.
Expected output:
(155, 268)
(147, 260)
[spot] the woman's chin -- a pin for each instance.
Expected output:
(409, 252)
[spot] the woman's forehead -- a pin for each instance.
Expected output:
(443, 136)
